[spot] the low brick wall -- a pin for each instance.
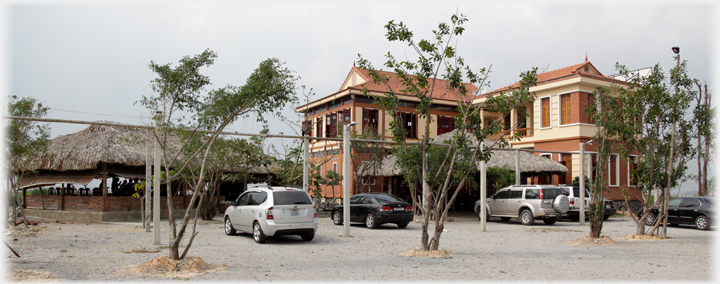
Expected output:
(99, 203)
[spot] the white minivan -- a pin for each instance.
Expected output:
(272, 211)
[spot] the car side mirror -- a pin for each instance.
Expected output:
(232, 203)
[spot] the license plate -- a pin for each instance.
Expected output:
(400, 209)
(607, 206)
(293, 212)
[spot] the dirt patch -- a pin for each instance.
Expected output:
(21, 231)
(32, 275)
(142, 251)
(165, 266)
(586, 240)
(547, 230)
(428, 253)
(633, 237)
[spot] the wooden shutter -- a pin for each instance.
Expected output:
(546, 112)
(565, 109)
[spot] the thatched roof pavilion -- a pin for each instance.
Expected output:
(85, 155)
(529, 163)
(95, 144)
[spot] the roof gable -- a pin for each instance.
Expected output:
(585, 68)
(358, 79)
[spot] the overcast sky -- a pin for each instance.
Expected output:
(89, 60)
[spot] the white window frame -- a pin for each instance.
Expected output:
(335, 167)
(617, 170)
(541, 112)
(547, 154)
(628, 170)
(366, 179)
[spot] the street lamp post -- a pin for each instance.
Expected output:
(346, 179)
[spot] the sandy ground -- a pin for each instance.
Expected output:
(506, 251)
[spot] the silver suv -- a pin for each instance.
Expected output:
(272, 211)
(573, 193)
(528, 202)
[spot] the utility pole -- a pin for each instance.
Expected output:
(156, 183)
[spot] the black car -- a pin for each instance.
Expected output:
(375, 209)
(696, 211)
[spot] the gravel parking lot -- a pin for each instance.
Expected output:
(507, 251)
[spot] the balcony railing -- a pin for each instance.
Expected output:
(524, 132)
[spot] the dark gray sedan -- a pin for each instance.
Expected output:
(375, 209)
(696, 211)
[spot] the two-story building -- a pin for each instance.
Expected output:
(325, 117)
(557, 122)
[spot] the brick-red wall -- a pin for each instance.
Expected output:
(100, 203)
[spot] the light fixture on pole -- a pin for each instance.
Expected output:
(346, 178)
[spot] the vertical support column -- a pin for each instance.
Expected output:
(483, 194)
(103, 184)
(346, 179)
(517, 167)
(148, 179)
(306, 165)
(156, 183)
(582, 184)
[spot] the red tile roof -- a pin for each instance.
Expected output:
(442, 87)
(578, 69)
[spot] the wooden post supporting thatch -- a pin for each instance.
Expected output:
(103, 184)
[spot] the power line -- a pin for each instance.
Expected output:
(103, 114)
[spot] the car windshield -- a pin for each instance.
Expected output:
(291, 197)
(387, 198)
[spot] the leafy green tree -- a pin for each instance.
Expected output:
(705, 121)
(651, 118)
(24, 140)
(500, 177)
(437, 59)
(180, 91)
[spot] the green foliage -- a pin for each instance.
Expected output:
(436, 168)
(179, 91)
(651, 118)
(500, 177)
(24, 139)
(576, 182)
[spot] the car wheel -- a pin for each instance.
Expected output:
(337, 218)
(402, 225)
(702, 223)
(549, 221)
(505, 218)
(370, 221)
(650, 219)
(258, 234)
(526, 217)
(307, 237)
(229, 230)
